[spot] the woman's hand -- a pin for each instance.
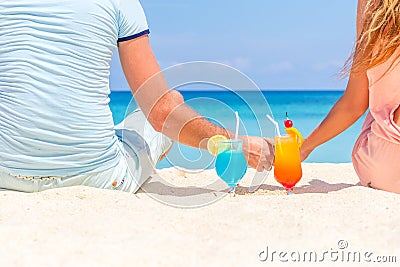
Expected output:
(305, 150)
(259, 152)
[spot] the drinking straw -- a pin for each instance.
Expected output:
(276, 125)
(237, 125)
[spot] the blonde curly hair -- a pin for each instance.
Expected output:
(379, 38)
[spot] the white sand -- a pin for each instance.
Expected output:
(89, 227)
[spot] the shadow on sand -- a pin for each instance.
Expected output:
(314, 186)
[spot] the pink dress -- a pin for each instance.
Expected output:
(376, 154)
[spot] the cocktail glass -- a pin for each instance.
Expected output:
(287, 164)
(231, 164)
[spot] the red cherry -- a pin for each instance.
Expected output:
(288, 123)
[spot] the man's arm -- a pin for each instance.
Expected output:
(166, 111)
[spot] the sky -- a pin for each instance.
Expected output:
(280, 45)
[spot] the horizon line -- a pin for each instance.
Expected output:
(262, 90)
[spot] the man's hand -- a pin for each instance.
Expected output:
(259, 152)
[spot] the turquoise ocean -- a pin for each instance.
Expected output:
(306, 108)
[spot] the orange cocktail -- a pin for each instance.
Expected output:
(287, 169)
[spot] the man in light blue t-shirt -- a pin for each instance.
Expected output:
(56, 127)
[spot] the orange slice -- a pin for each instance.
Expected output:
(296, 132)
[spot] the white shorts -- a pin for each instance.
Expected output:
(141, 148)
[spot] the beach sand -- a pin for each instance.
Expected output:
(81, 226)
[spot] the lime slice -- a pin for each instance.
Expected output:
(296, 132)
(215, 144)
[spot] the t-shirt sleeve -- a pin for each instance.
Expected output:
(132, 21)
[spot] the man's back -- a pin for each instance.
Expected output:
(54, 70)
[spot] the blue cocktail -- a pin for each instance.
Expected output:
(231, 164)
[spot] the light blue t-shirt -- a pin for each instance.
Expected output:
(54, 83)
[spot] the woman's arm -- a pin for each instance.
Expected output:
(166, 111)
(347, 110)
